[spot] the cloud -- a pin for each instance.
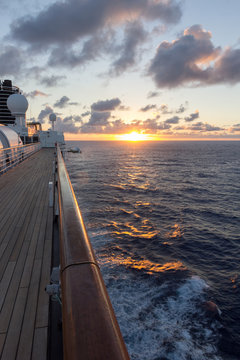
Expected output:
(235, 128)
(11, 60)
(173, 120)
(133, 37)
(227, 68)
(153, 94)
(103, 123)
(193, 59)
(106, 105)
(99, 118)
(93, 47)
(86, 113)
(63, 102)
(69, 124)
(35, 93)
(204, 127)
(44, 113)
(180, 61)
(53, 80)
(124, 108)
(148, 107)
(181, 109)
(153, 126)
(120, 127)
(68, 21)
(164, 109)
(192, 116)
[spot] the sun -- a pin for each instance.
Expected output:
(133, 136)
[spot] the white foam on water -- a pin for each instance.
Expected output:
(159, 322)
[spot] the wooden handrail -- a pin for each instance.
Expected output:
(90, 328)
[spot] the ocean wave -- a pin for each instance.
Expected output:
(160, 322)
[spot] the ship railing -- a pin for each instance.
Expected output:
(10, 157)
(90, 328)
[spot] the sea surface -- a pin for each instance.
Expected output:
(164, 221)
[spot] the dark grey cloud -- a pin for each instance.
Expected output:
(35, 93)
(63, 102)
(90, 50)
(227, 68)
(148, 107)
(209, 127)
(11, 60)
(106, 105)
(178, 62)
(86, 113)
(70, 124)
(99, 118)
(68, 21)
(173, 120)
(192, 116)
(44, 113)
(193, 59)
(52, 80)
(133, 37)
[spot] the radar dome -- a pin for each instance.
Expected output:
(17, 104)
(52, 117)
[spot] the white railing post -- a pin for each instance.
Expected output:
(50, 187)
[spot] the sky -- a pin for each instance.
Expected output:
(164, 69)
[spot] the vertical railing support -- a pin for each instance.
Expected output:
(51, 197)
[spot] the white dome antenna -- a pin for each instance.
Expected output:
(18, 105)
(52, 118)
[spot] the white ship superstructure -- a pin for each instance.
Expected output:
(13, 107)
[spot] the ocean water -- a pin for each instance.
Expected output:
(164, 221)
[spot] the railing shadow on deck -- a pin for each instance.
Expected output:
(9, 157)
(90, 328)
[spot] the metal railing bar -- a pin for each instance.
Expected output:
(90, 328)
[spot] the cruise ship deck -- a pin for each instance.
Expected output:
(26, 222)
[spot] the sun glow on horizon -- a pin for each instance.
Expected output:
(133, 136)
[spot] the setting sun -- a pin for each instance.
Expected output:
(133, 136)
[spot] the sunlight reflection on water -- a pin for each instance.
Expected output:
(148, 266)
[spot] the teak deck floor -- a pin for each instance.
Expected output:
(25, 257)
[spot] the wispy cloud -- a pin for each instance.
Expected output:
(35, 93)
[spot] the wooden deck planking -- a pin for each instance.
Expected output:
(25, 262)
(6, 281)
(12, 198)
(21, 224)
(17, 211)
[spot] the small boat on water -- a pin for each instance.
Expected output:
(74, 150)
